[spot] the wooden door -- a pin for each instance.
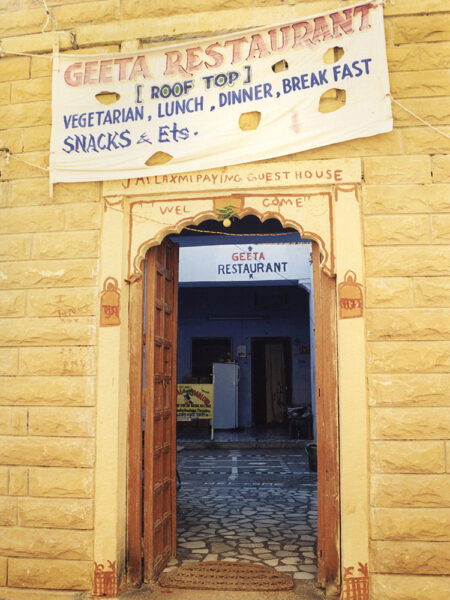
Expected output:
(159, 515)
(271, 380)
(276, 382)
(328, 531)
(152, 421)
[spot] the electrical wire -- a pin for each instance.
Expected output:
(48, 15)
(419, 118)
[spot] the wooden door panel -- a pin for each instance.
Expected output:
(328, 531)
(159, 521)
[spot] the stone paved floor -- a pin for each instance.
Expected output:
(199, 432)
(252, 505)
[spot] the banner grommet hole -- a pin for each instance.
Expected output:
(281, 65)
(332, 55)
(332, 100)
(158, 158)
(107, 97)
(249, 120)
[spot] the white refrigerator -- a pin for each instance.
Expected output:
(226, 386)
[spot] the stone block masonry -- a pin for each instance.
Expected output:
(49, 249)
(49, 291)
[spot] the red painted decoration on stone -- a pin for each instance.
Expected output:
(110, 303)
(350, 297)
(105, 581)
(356, 587)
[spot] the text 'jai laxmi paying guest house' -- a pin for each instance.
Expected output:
(127, 126)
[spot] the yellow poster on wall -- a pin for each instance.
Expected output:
(195, 401)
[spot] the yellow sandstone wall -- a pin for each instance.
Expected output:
(49, 288)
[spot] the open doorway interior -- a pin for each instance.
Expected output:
(271, 380)
(245, 300)
(249, 493)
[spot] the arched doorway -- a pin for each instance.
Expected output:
(152, 538)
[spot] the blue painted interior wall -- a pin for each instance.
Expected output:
(289, 319)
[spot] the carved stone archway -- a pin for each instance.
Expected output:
(137, 217)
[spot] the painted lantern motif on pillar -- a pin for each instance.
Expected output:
(110, 303)
(350, 297)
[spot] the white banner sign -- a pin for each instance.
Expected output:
(240, 262)
(223, 101)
